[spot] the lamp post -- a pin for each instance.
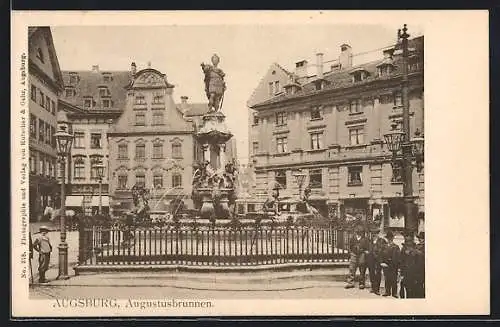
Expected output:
(299, 177)
(400, 140)
(100, 173)
(64, 141)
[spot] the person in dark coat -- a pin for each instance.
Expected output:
(373, 260)
(358, 247)
(408, 267)
(390, 264)
(420, 266)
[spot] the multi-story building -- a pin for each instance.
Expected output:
(45, 85)
(93, 100)
(153, 143)
(331, 126)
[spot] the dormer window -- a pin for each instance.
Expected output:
(107, 77)
(359, 75)
(106, 103)
(385, 70)
(73, 78)
(88, 102)
(140, 99)
(70, 92)
(103, 91)
(39, 55)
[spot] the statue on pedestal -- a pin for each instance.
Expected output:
(214, 84)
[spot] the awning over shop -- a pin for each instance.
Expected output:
(105, 201)
(77, 200)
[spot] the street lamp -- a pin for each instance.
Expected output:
(99, 167)
(400, 140)
(299, 177)
(64, 141)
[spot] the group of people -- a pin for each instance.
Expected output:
(403, 267)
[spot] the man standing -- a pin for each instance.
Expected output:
(409, 267)
(373, 260)
(390, 263)
(420, 266)
(358, 246)
(42, 245)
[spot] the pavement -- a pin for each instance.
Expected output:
(55, 235)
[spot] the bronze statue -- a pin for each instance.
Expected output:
(214, 84)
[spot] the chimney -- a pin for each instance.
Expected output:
(301, 69)
(319, 65)
(95, 68)
(184, 99)
(345, 57)
(133, 68)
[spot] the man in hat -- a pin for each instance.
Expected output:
(42, 245)
(358, 246)
(420, 266)
(390, 263)
(374, 259)
(408, 267)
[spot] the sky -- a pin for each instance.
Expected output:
(246, 52)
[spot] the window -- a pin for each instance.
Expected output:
(140, 119)
(140, 151)
(73, 78)
(140, 180)
(53, 168)
(255, 147)
(70, 92)
(158, 98)
(356, 135)
(176, 180)
(157, 151)
(271, 88)
(158, 181)
(281, 118)
(79, 168)
(158, 118)
(53, 137)
(53, 107)
(122, 151)
(251, 207)
(39, 55)
(95, 141)
(355, 106)
(358, 76)
(41, 160)
(122, 182)
(397, 99)
(103, 92)
(106, 103)
(48, 136)
(48, 166)
(42, 99)
(255, 120)
(140, 99)
(94, 161)
(79, 140)
(397, 172)
(276, 87)
(176, 150)
(32, 162)
(315, 178)
(33, 122)
(316, 141)
(280, 178)
(33, 93)
(315, 113)
(281, 144)
(41, 130)
(47, 103)
(87, 103)
(354, 175)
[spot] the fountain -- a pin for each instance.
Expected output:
(213, 182)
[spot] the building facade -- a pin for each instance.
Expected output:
(93, 100)
(45, 86)
(331, 126)
(151, 145)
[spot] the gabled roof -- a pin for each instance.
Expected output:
(343, 78)
(56, 69)
(88, 85)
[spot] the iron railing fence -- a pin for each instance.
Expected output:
(211, 245)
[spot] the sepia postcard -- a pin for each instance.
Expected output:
(249, 163)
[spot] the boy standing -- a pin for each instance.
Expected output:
(358, 246)
(390, 264)
(42, 245)
(373, 260)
